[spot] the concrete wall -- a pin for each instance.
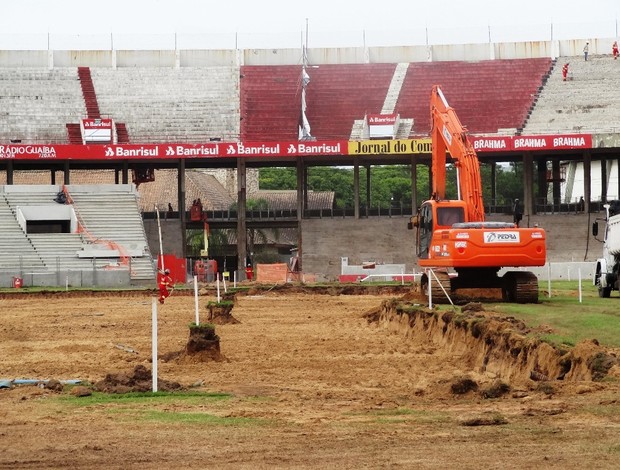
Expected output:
(291, 56)
(382, 240)
(171, 235)
(98, 278)
(387, 240)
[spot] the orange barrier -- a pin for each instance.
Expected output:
(271, 272)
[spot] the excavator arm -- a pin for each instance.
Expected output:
(449, 135)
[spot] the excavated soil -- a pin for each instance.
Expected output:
(315, 380)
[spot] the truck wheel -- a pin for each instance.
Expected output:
(604, 291)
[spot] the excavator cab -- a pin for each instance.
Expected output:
(436, 215)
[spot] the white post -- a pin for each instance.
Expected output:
(549, 278)
(161, 249)
(154, 343)
(402, 277)
(569, 274)
(217, 275)
(196, 299)
(224, 283)
(579, 275)
(430, 290)
(67, 282)
(235, 279)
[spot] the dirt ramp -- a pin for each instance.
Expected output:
(496, 346)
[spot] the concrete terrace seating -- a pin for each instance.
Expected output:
(336, 96)
(488, 95)
(36, 103)
(111, 213)
(588, 102)
(157, 104)
(106, 212)
(17, 254)
(270, 102)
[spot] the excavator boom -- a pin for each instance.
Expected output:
(448, 134)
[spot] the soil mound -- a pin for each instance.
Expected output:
(501, 347)
(138, 381)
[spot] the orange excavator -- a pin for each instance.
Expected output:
(453, 239)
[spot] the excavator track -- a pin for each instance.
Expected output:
(437, 293)
(520, 287)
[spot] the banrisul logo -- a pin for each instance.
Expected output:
(501, 237)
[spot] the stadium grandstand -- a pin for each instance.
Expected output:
(121, 133)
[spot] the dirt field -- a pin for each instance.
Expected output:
(312, 384)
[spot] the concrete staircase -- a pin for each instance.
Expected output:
(88, 91)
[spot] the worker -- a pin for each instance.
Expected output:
(165, 285)
(614, 50)
(517, 212)
(565, 71)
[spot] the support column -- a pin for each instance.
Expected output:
(557, 182)
(603, 179)
(430, 180)
(493, 184)
(587, 180)
(542, 181)
(618, 178)
(368, 186)
(242, 233)
(356, 190)
(53, 177)
(66, 172)
(304, 187)
(414, 185)
(301, 198)
(528, 185)
(125, 172)
(181, 203)
(9, 172)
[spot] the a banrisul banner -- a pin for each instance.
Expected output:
(283, 149)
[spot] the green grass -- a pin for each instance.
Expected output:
(98, 398)
(397, 415)
(570, 320)
(148, 406)
(171, 417)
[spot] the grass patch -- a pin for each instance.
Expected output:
(172, 417)
(570, 320)
(397, 415)
(98, 398)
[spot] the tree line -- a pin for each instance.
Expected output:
(390, 186)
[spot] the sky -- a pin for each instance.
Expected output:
(277, 23)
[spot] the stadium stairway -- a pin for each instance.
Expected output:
(74, 134)
(88, 91)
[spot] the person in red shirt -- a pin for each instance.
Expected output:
(565, 71)
(614, 50)
(165, 285)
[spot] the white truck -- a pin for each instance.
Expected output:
(607, 273)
